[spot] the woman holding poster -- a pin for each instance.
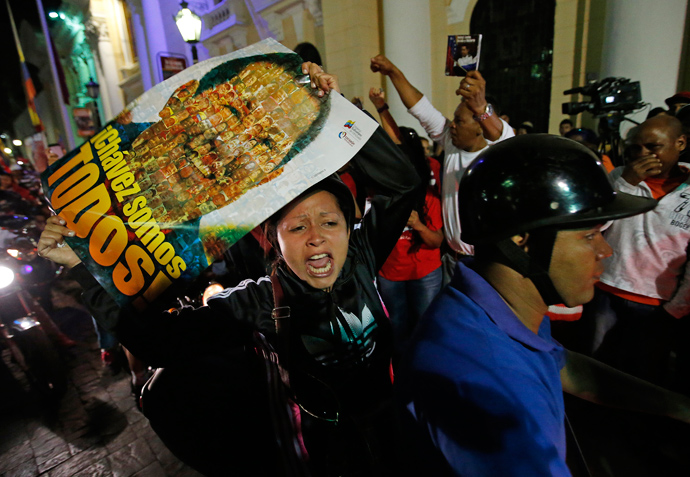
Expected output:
(292, 370)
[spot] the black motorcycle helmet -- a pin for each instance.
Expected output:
(541, 184)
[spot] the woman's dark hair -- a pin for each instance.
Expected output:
(656, 111)
(412, 145)
(308, 52)
(415, 151)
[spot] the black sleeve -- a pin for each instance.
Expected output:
(161, 338)
(390, 175)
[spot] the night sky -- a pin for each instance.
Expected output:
(12, 99)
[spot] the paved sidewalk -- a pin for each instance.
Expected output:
(95, 431)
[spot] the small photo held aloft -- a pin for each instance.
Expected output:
(463, 54)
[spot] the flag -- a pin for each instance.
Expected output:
(28, 83)
(60, 73)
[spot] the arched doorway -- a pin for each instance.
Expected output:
(517, 48)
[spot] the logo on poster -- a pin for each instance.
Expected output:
(343, 135)
(356, 132)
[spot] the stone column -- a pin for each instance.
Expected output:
(407, 43)
(156, 40)
(147, 73)
(352, 38)
(642, 41)
(107, 70)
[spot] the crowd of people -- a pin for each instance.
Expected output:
(417, 285)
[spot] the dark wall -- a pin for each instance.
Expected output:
(516, 56)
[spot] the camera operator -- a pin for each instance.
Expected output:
(610, 99)
(677, 101)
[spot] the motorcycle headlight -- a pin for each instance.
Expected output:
(6, 276)
(25, 322)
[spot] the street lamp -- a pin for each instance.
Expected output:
(189, 24)
(92, 89)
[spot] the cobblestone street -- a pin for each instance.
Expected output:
(96, 429)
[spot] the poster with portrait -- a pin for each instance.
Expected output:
(463, 54)
(194, 164)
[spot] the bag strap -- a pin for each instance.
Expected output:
(294, 453)
(281, 315)
(284, 413)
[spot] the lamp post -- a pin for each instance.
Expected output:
(92, 91)
(189, 24)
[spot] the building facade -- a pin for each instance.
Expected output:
(532, 50)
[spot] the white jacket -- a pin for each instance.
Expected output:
(650, 250)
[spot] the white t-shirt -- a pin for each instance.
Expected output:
(465, 60)
(650, 250)
(454, 165)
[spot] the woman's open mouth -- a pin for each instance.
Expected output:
(320, 265)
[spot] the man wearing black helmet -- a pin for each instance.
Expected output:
(481, 389)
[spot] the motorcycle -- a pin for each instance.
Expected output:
(25, 325)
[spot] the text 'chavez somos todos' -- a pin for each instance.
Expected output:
(83, 200)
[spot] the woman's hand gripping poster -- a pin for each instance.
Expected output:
(194, 164)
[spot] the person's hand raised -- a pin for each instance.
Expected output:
(473, 89)
(320, 79)
(52, 246)
(377, 97)
(381, 64)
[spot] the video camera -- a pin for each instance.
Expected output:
(608, 95)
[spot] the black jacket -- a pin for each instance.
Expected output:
(340, 341)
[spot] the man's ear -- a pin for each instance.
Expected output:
(681, 142)
(521, 240)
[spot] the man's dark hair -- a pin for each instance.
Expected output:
(683, 115)
(308, 52)
(566, 121)
(656, 111)
(588, 136)
(527, 126)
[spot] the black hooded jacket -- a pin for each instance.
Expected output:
(341, 337)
